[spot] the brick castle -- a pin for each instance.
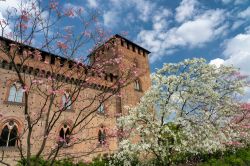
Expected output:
(12, 120)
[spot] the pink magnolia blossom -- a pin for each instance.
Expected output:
(52, 92)
(87, 34)
(245, 106)
(62, 45)
(24, 16)
(80, 10)
(25, 88)
(69, 12)
(60, 139)
(3, 22)
(33, 6)
(53, 5)
(23, 26)
(234, 143)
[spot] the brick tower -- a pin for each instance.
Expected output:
(134, 55)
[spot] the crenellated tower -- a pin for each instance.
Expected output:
(134, 55)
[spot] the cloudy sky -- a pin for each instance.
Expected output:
(217, 30)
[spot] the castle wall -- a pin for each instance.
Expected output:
(86, 131)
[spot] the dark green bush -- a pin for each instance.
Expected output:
(238, 157)
(65, 162)
(234, 157)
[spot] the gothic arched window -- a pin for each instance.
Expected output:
(66, 101)
(64, 134)
(9, 135)
(101, 109)
(137, 85)
(102, 135)
(16, 93)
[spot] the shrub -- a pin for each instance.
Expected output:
(238, 157)
(65, 162)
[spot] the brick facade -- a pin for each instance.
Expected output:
(133, 55)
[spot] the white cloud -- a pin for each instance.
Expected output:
(75, 8)
(8, 5)
(120, 12)
(202, 29)
(194, 33)
(237, 24)
(159, 19)
(247, 29)
(226, 1)
(240, 1)
(110, 18)
(13, 7)
(217, 62)
(92, 3)
(245, 13)
(7, 29)
(144, 8)
(247, 95)
(237, 52)
(236, 2)
(240, 17)
(186, 10)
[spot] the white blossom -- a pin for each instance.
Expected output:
(188, 109)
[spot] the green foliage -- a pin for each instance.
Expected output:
(98, 162)
(65, 162)
(240, 157)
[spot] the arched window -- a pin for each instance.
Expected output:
(16, 93)
(9, 135)
(137, 85)
(101, 109)
(102, 135)
(66, 100)
(64, 134)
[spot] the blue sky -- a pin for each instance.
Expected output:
(217, 30)
(173, 30)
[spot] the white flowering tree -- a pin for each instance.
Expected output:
(189, 109)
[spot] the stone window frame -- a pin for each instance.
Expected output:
(137, 85)
(102, 139)
(18, 125)
(9, 86)
(101, 110)
(71, 107)
(67, 125)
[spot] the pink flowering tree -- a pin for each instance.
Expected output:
(44, 46)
